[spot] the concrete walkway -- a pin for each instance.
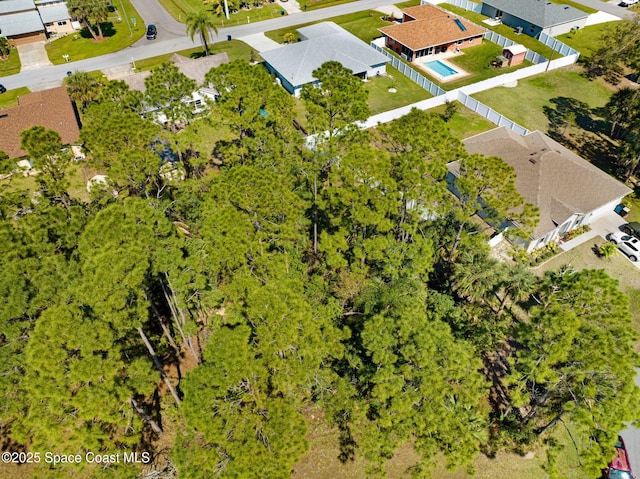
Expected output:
(33, 56)
(260, 42)
(390, 10)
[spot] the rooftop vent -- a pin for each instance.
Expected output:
(460, 25)
(533, 160)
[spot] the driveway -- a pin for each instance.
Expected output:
(152, 12)
(33, 56)
(631, 437)
(611, 6)
(260, 42)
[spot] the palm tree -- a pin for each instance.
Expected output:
(5, 48)
(201, 23)
(82, 88)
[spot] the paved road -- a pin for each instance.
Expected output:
(631, 437)
(151, 11)
(611, 6)
(50, 76)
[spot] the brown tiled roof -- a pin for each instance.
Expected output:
(550, 176)
(49, 108)
(432, 27)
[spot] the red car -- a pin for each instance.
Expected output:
(619, 467)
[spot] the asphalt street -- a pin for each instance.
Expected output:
(50, 76)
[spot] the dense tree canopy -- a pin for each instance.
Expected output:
(212, 318)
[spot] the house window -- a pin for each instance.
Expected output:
(470, 40)
(460, 42)
(64, 22)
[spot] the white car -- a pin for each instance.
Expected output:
(629, 245)
(628, 3)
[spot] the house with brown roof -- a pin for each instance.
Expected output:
(568, 190)
(428, 30)
(52, 109)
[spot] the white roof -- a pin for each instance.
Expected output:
(13, 6)
(516, 49)
(19, 23)
(326, 42)
(54, 13)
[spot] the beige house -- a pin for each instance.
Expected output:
(568, 190)
(55, 17)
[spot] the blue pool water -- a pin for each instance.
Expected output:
(440, 68)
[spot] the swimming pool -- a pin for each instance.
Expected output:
(441, 68)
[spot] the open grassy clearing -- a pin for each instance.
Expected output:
(407, 92)
(10, 97)
(11, 65)
(533, 102)
(117, 35)
(585, 40)
(504, 30)
(235, 49)
(316, 4)
(465, 123)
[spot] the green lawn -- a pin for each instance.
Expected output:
(465, 123)
(179, 9)
(11, 65)
(316, 4)
(236, 50)
(410, 3)
(504, 30)
(363, 25)
(587, 39)
(535, 100)
(118, 35)
(407, 92)
(10, 97)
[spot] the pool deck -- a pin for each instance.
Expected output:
(442, 57)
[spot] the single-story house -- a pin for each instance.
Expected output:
(568, 190)
(20, 21)
(535, 16)
(195, 69)
(55, 17)
(293, 65)
(52, 109)
(429, 30)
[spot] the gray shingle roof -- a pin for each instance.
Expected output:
(325, 42)
(54, 13)
(550, 176)
(19, 23)
(542, 13)
(12, 6)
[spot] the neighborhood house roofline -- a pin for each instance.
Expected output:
(49, 108)
(20, 23)
(55, 13)
(542, 13)
(325, 42)
(549, 176)
(424, 33)
(14, 6)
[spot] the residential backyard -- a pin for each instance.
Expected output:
(406, 91)
(10, 97)
(119, 33)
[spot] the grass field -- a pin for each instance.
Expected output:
(465, 122)
(585, 40)
(533, 102)
(407, 92)
(316, 4)
(11, 65)
(179, 9)
(235, 49)
(10, 97)
(118, 35)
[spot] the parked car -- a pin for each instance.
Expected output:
(632, 228)
(619, 467)
(152, 32)
(2, 89)
(628, 3)
(629, 245)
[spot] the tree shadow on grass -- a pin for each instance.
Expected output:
(108, 30)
